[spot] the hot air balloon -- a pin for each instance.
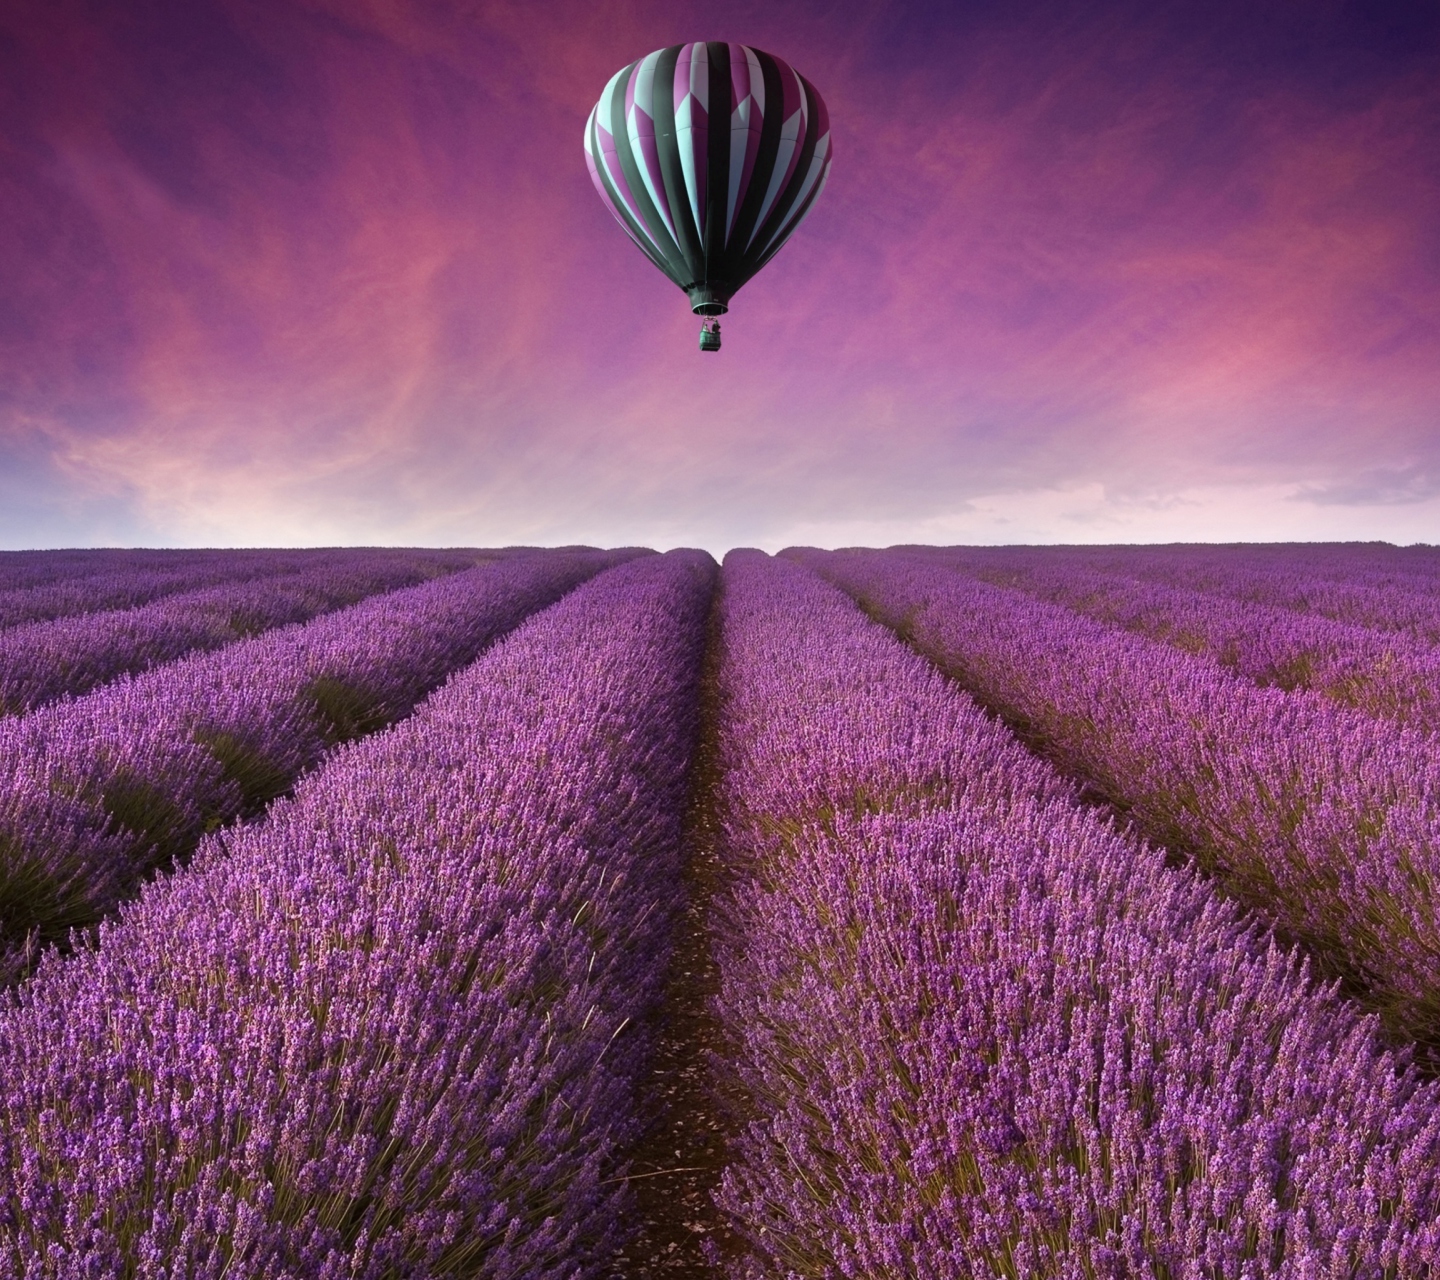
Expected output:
(709, 155)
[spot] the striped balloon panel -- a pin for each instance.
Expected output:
(709, 155)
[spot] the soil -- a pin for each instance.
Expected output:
(675, 1171)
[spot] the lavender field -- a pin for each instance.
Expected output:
(926, 912)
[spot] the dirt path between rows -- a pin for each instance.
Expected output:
(677, 1168)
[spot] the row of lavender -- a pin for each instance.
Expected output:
(1383, 588)
(21, 570)
(397, 1028)
(47, 660)
(142, 577)
(96, 793)
(1324, 820)
(981, 1033)
(1383, 673)
(1261, 567)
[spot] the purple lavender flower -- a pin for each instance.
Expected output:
(96, 793)
(1382, 672)
(397, 1027)
(102, 580)
(976, 1031)
(1390, 589)
(45, 660)
(1324, 820)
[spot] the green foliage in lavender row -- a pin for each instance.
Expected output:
(396, 1028)
(46, 660)
(128, 579)
(979, 1033)
(98, 792)
(1325, 820)
(1383, 673)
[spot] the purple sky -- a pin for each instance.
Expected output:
(319, 272)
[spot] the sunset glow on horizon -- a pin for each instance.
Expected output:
(334, 272)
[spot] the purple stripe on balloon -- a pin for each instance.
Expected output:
(630, 90)
(700, 73)
(616, 174)
(692, 125)
(642, 139)
(603, 144)
(748, 84)
(600, 182)
(684, 77)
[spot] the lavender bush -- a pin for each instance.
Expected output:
(1389, 589)
(45, 660)
(1325, 820)
(978, 1032)
(396, 1028)
(1386, 674)
(96, 793)
(20, 570)
(141, 577)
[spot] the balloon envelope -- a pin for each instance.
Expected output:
(709, 155)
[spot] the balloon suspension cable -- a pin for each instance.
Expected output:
(710, 334)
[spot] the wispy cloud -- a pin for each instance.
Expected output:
(1377, 486)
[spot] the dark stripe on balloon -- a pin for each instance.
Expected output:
(722, 104)
(674, 265)
(672, 175)
(754, 195)
(812, 184)
(616, 201)
(800, 217)
(780, 211)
